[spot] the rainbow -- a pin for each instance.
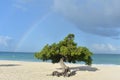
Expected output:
(30, 30)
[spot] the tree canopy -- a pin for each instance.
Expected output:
(66, 49)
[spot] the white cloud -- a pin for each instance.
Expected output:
(99, 17)
(18, 6)
(105, 48)
(21, 4)
(4, 41)
(23, 1)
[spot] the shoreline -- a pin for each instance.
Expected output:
(58, 63)
(22, 70)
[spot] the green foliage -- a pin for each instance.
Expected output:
(66, 48)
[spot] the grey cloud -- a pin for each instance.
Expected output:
(92, 16)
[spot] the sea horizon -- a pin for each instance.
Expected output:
(98, 59)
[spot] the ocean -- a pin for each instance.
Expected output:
(102, 59)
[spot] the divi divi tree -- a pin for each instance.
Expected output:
(65, 50)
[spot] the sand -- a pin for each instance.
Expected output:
(19, 70)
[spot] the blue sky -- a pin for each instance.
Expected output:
(27, 25)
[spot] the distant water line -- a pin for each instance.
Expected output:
(101, 59)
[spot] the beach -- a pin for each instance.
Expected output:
(20, 70)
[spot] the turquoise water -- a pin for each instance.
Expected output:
(113, 59)
(18, 56)
(106, 59)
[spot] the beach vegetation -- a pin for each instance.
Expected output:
(65, 50)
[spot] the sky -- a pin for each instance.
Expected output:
(28, 25)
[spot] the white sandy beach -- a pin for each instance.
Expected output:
(18, 70)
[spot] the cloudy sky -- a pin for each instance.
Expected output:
(27, 25)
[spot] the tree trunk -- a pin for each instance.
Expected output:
(65, 70)
(63, 66)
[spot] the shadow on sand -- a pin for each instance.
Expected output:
(84, 68)
(81, 68)
(9, 65)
